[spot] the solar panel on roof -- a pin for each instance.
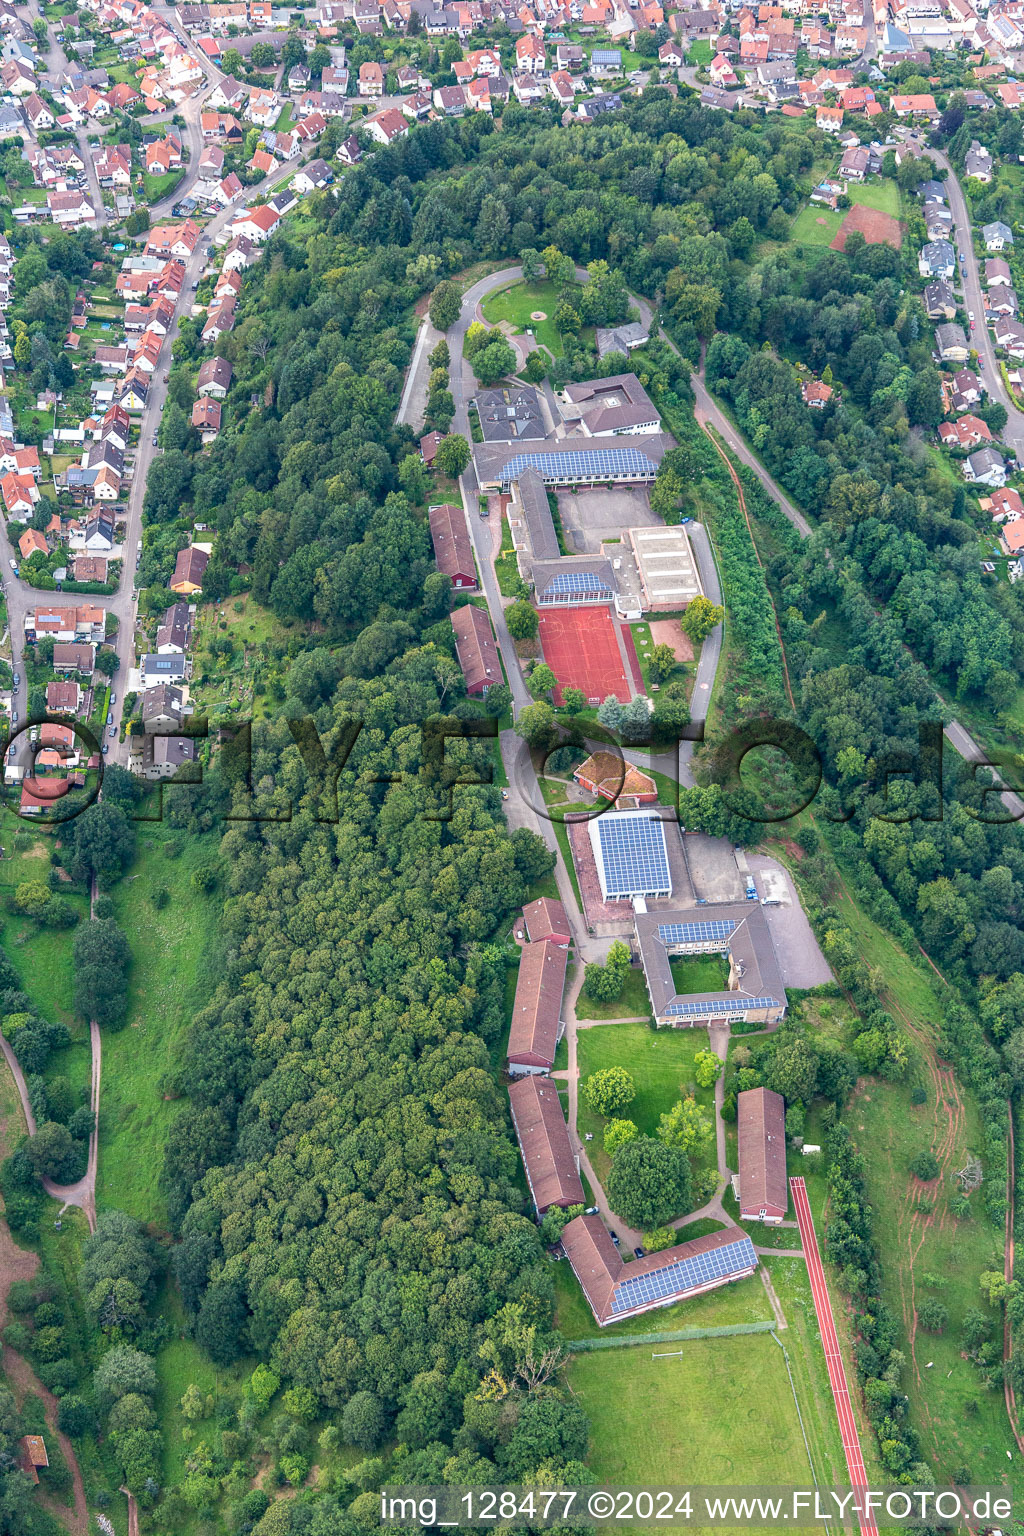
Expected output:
(633, 855)
(586, 464)
(720, 1005)
(685, 1275)
(578, 581)
(696, 933)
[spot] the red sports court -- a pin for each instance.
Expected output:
(582, 650)
(830, 1344)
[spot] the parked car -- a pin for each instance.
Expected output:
(614, 1237)
(113, 696)
(112, 731)
(591, 1210)
(17, 679)
(970, 314)
(638, 1253)
(110, 717)
(106, 748)
(14, 717)
(154, 440)
(13, 565)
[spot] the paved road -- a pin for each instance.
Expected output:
(981, 336)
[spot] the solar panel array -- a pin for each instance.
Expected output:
(586, 464)
(576, 584)
(696, 933)
(720, 1005)
(685, 1275)
(633, 855)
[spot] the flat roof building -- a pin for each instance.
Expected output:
(536, 1012)
(543, 1138)
(761, 1126)
(669, 578)
(616, 1290)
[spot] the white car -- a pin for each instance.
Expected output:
(970, 314)
(13, 565)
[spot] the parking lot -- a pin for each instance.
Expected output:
(800, 959)
(591, 516)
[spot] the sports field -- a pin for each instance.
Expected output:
(650, 1420)
(581, 649)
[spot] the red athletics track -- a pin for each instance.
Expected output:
(582, 651)
(833, 1359)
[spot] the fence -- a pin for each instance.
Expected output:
(672, 1336)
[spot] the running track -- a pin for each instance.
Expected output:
(833, 1359)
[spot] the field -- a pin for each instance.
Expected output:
(166, 984)
(516, 303)
(877, 228)
(661, 1065)
(626, 1393)
(815, 225)
(818, 225)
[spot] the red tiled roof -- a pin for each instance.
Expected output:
(543, 1138)
(762, 1152)
(538, 1005)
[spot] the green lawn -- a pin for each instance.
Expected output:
(700, 53)
(156, 187)
(700, 973)
(816, 225)
(178, 1364)
(42, 958)
(882, 194)
(517, 302)
(660, 1062)
(632, 1003)
(651, 1420)
(169, 979)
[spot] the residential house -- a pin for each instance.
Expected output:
(206, 418)
(816, 394)
(937, 259)
(978, 162)
(530, 54)
(997, 273)
(854, 164)
(951, 343)
(349, 152)
(922, 106)
(476, 649)
(450, 99)
(214, 377)
(387, 126)
(939, 301)
(257, 224)
(188, 571)
(966, 432)
(371, 79)
(164, 756)
(175, 630)
(997, 236)
(985, 467)
(163, 709)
